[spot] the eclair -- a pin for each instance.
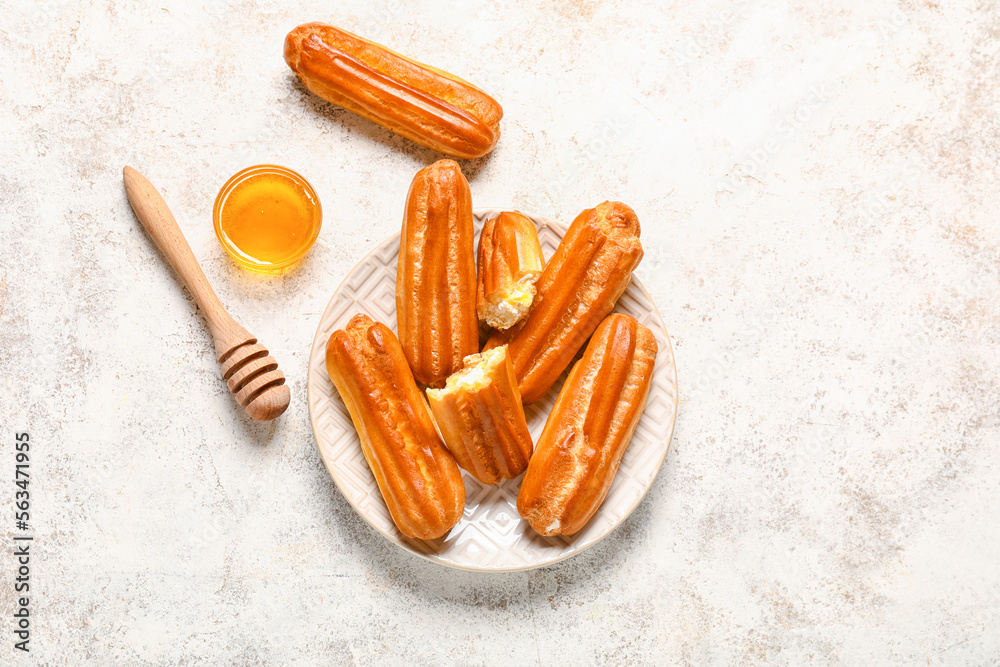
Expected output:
(422, 103)
(481, 418)
(436, 274)
(415, 472)
(510, 261)
(589, 428)
(577, 289)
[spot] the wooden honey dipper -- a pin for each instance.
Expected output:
(252, 374)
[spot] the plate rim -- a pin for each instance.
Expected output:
(485, 212)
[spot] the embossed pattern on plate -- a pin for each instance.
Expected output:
(491, 536)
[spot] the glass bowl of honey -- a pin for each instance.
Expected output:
(267, 217)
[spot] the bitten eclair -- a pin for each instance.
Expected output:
(578, 288)
(481, 418)
(510, 261)
(418, 477)
(589, 428)
(422, 103)
(436, 274)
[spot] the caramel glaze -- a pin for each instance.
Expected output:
(436, 274)
(418, 477)
(590, 426)
(422, 103)
(482, 421)
(509, 252)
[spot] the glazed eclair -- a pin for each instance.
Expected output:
(417, 475)
(590, 426)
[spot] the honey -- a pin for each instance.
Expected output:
(267, 217)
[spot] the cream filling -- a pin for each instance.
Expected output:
(509, 310)
(474, 372)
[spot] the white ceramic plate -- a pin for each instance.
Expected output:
(491, 536)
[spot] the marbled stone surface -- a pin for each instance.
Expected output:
(818, 188)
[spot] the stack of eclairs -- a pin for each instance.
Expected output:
(540, 316)
(431, 402)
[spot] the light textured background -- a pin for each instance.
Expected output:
(818, 189)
